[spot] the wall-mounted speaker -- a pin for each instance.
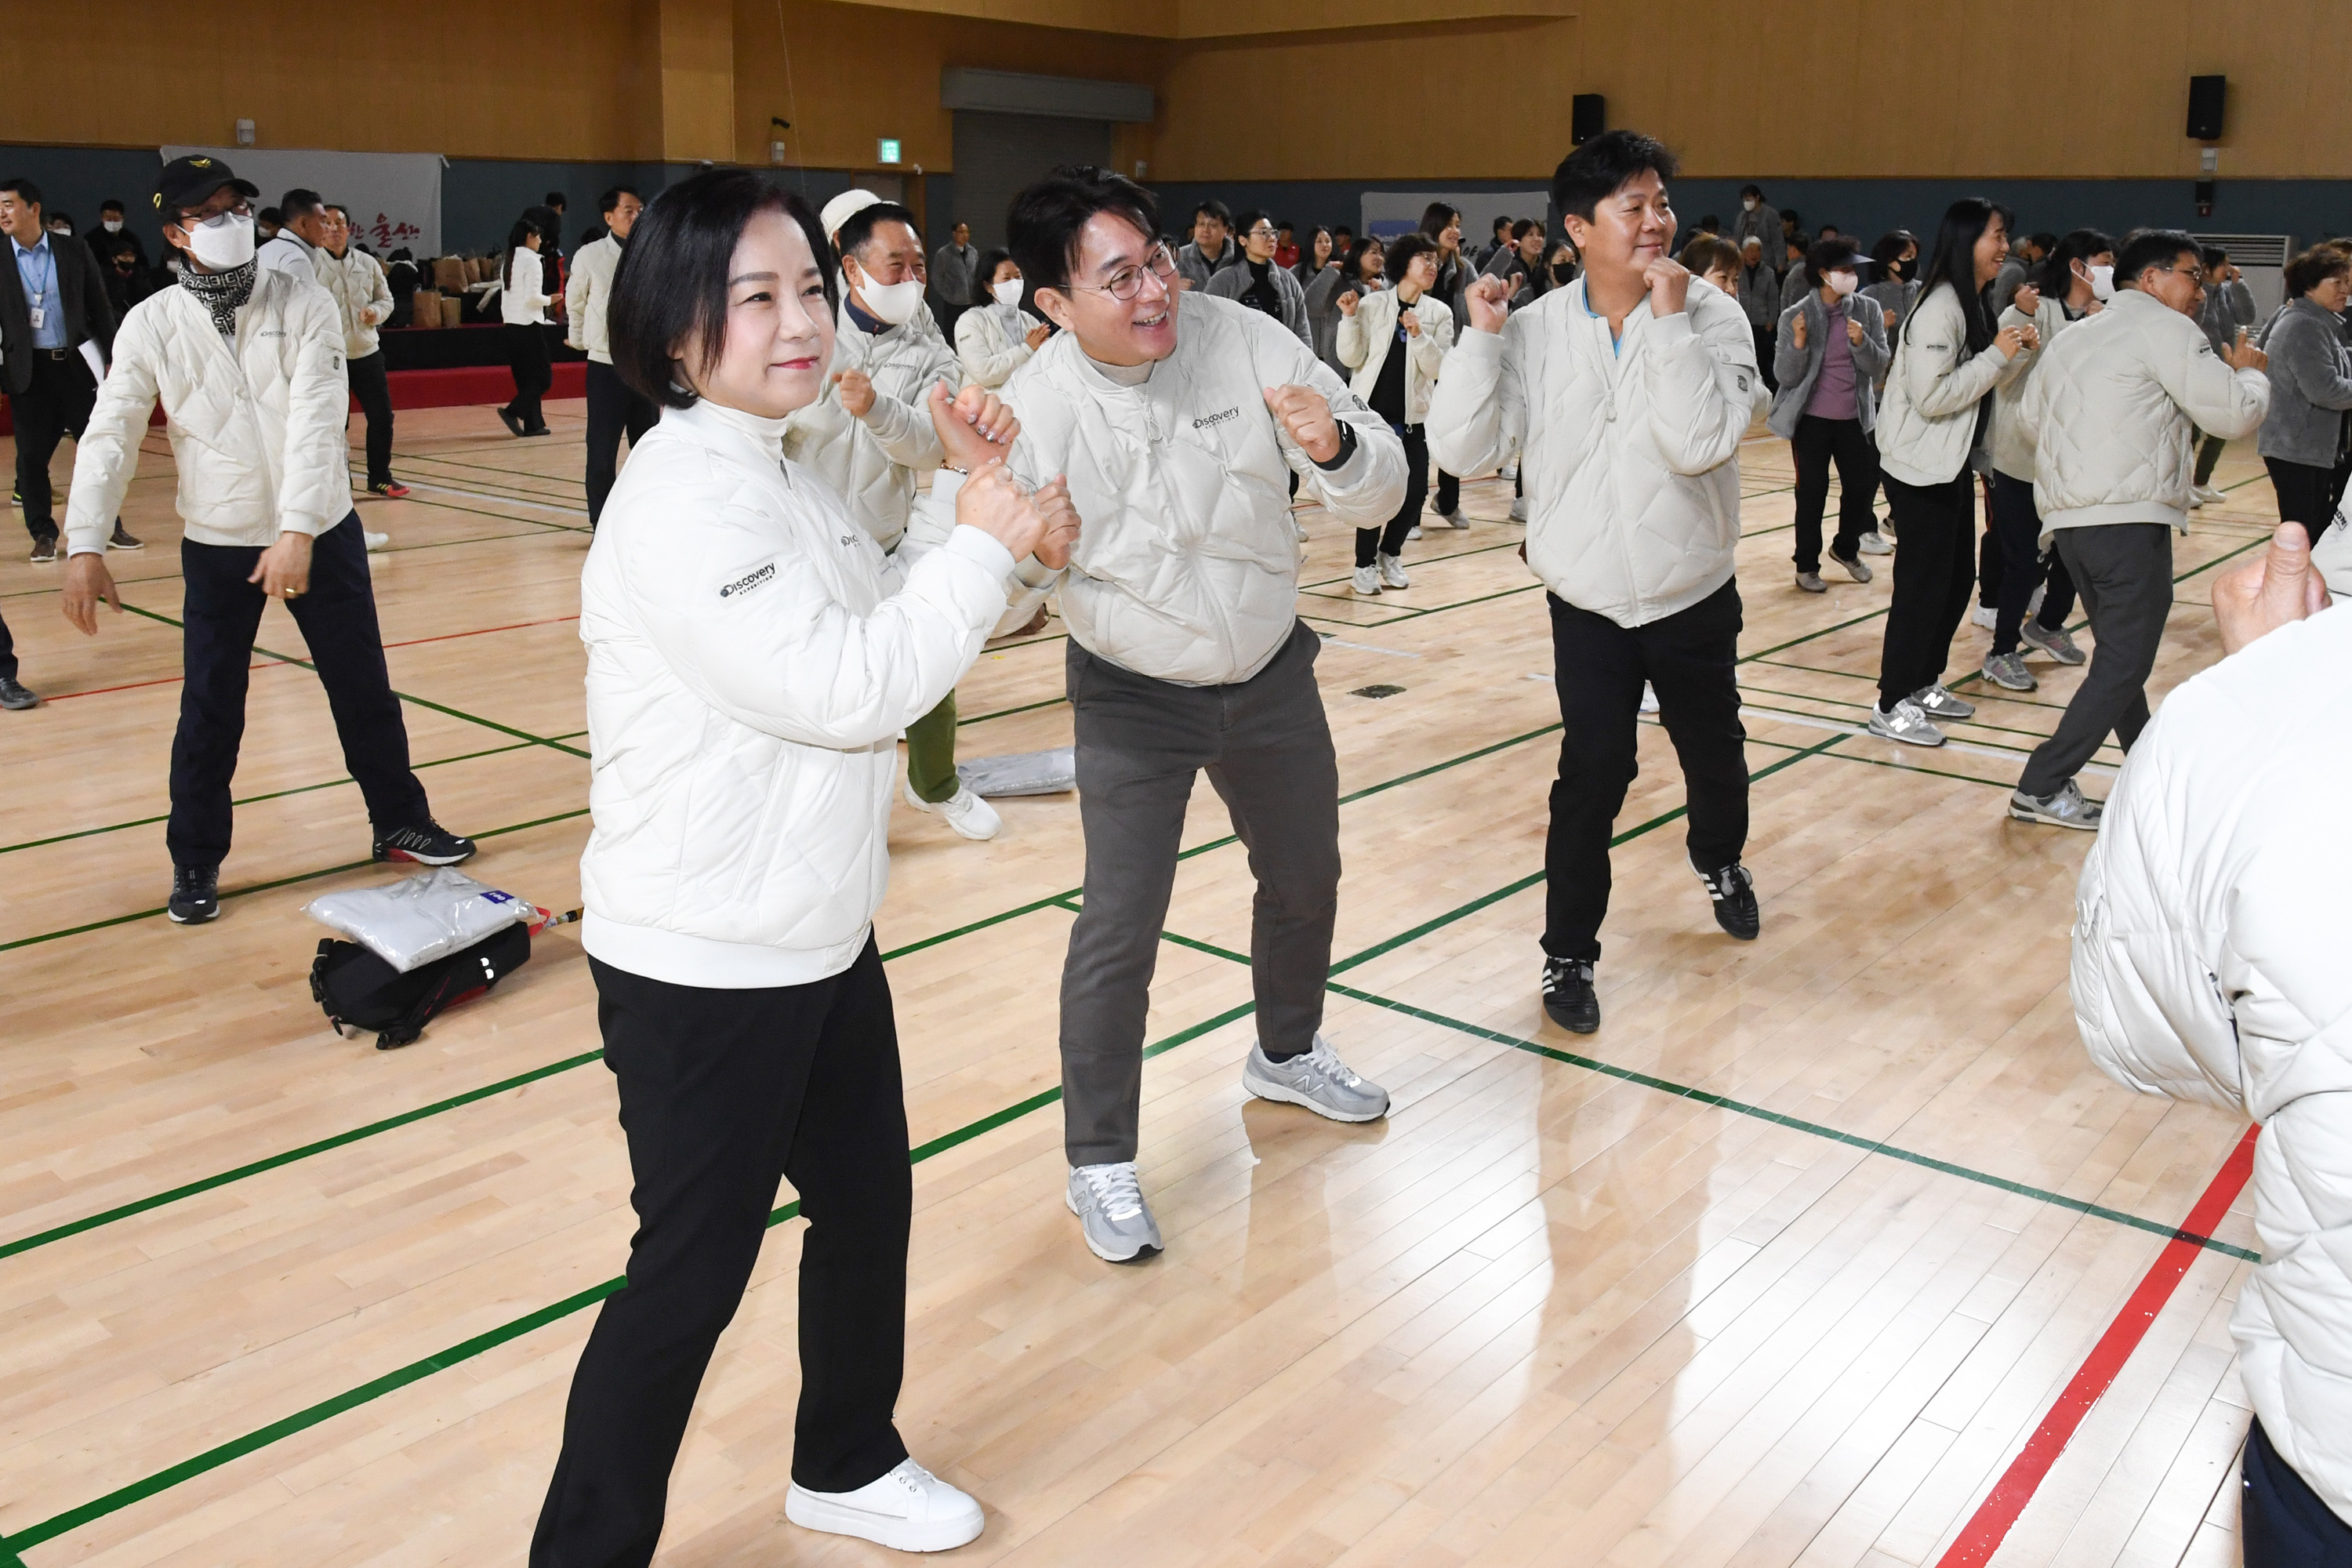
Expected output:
(2205, 96)
(1588, 116)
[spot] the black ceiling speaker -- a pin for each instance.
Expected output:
(2205, 95)
(1588, 116)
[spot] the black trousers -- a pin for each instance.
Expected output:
(1817, 443)
(2018, 528)
(2305, 494)
(1992, 559)
(55, 405)
(1767, 343)
(1690, 659)
(723, 1093)
(2125, 571)
(7, 651)
(373, 390)
(2281, 1522)
(1390, 541)
(1933, 573)
(1449, 493)
(527, 357)
(337, 619)
(615, 410)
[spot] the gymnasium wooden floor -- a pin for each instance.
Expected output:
(1786, 1265)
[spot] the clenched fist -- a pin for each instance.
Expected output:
(974, 426)
(991, 502)
(1061, 524)
(1303, 412)
(1489, 299)
(857, 391)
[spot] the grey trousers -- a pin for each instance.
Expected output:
(2123, 571)
(1140, 743)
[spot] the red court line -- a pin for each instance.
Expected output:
(483, 631)
(136, 685)
(1991, 1524)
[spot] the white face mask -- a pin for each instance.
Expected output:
(1748, 203)
(1007, 292)
(2103, 282)
(114, 226)
(893, 303)
(1843, 283)
(222, 242)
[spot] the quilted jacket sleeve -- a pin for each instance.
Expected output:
(784, 657)
(1939, 376)
(1351, 344)
(2223, 402)
(1702, 377)
(107, 455)
(317, 492)
(903, 429)
(1365, 490)
(981, 347)
(1436, 337)
(1478, 416)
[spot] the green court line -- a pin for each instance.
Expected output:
(253, 799)
(1008, 712)
(1743, 1108)
(13, 1546)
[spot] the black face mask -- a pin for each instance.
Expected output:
(1563, 272)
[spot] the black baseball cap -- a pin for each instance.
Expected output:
(190, 183)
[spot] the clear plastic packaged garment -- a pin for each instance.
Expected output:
(1023, 772)
(414, 922)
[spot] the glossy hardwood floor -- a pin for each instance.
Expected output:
(1782, 1267)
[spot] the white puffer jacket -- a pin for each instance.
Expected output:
(751, 658)
(1366, 338)
(361, 293)
(2111, 409)
(2209, 965)
(2014, 437)
(1927, 414)
(992, 342)
(1630, 455)
(1186, 568)
(872, 461)
(257, 429)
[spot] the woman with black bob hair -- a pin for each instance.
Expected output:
(751, 658)
(1947, 359)
(526, 276)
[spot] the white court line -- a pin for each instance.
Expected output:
(1368, 647)
(1995, 753)
(499, 500)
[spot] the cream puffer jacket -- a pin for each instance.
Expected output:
(1186, 568)
(992, 342)
(1630, 456)
(588, 295)
(2209, 936)
(1927, 414)
(2111, 410)
(256, 427)
(2014, 439)
(751, 658)
(1366, 338)
(872, 461)
(361, 293)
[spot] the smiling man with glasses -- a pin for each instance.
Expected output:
(1179, 418)
(2111, 406)
(1261, 285)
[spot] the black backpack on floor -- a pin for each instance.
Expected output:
(362, 991)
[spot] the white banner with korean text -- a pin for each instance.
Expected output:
(395, 198)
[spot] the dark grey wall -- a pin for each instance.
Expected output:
(2306, 209)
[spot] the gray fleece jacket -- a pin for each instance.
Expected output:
(2311, 386)
(1234, 282)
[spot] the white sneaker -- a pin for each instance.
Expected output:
(1391, 570)
(1368, 581)
(965, 812)
(1984, 616)
(1907, 723)
(1876, 543)
(2206, 495)
(909, 1509)
(1301, 528)
(376, 540)
(1453, 519)
(1508, 471)
(1518, 509)
(1649, 698)
(1414, 533)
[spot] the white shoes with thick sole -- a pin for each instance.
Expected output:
(964, 811)
(909, 1509)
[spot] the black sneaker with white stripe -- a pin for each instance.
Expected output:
(1734, 892)
(196, 895)
(1567, 997)
(429, 844)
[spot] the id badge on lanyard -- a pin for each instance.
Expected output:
(40, 317)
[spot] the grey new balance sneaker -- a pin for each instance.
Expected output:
(1318, 1080)
(2067, 808)
(2055, 641)
(1938, 703)
(1109, 1205)
(1909, 723)
(2008, 670)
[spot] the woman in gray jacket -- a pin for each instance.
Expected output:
(1322, 271)
(2303, 437)
(1831, 348)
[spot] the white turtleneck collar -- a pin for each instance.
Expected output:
(768, 435)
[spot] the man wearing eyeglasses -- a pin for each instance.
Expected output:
(248, 365)
(1179, 418)
(2112, 407)
(1212, 248)
(1261, 285)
